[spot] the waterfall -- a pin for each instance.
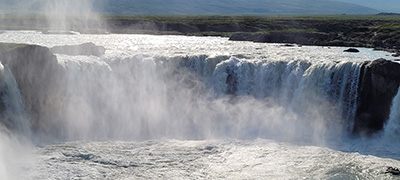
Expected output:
(294, 84)
(392, 127)
(14, 123)
(199, 97)
(13, 115)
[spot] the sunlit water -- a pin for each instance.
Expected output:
(127, 45)
(177, 107)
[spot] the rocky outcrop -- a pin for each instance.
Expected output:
(379, 83)
(352, 50)
(82, 49)
(40, 80)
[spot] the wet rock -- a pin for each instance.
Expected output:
(82, 49)
(379, 83)
(396, 54)
(40, 79)
(352, 50)
(231, 80)
(393, 171)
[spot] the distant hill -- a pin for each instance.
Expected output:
(193, 7)
(230, 7)
(390, 6)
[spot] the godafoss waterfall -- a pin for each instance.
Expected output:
(176, 107)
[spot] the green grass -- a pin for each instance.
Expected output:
(230, 7)
(250, 18)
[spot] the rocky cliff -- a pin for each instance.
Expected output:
(379, 83)
(40, 79)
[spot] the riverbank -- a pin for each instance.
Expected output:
(381, 32)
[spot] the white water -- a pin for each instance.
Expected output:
(15, 127)
(202, 88)
(210, 159)
(13, 116)
(392, 128)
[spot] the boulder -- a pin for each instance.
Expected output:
(352, 50)
(82, 49)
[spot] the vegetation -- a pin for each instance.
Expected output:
(379, 31)
(229, 7)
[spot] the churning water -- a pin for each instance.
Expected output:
(176, 107)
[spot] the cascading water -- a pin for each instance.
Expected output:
(13, 115)
(14, 123)
(229, 110)
(294, 85)
(205, 97)
(392, 128)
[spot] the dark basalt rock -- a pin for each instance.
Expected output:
(40, 80)
(352, 50)
(379, 83)
(231, 80)
(397, 54)
(82, 49)
(393, 171)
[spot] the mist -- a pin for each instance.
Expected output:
(13, 151)
(52, 16)
(15, 127)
